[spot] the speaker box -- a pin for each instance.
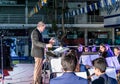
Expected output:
(6, 57)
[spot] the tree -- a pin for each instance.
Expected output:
(53, 12)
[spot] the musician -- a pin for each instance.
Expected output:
(84, 68)
(109, 50)
(117, 53)
(100, 66)
(69, 63)
(86, 49)
(93, 48)
(103, 51)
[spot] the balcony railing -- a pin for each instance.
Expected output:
(12, 18)
(95, 19)
(21, 19)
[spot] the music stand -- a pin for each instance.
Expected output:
(57, 52)
(2, 68)
(113, 62)
(87, 57)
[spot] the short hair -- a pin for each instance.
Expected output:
(101, 64)
(69, 62)
(117, 48)
(40, 23)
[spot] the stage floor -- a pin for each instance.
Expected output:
(21, 74)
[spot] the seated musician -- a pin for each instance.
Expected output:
(84, 68)
(69, 63)
(86, 49)
(100, 66)
(117, 53)
(105, 51)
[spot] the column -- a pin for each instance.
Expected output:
(26, 12)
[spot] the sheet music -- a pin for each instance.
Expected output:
(109, 62)
(116, 63)
(81, 74)
(86, 60)
(64, 49)
(58, 49)
(113, 62)
(93, 57)
(56, 65)
(111, 72)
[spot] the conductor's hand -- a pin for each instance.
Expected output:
(52, 41)
(49, 45)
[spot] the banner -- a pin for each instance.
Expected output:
(107, 5)
(37, 7)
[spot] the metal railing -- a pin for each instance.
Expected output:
(91, 19)
(21, 19)
(95, 19)
(12, 18)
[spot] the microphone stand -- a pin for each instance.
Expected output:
(2, 68)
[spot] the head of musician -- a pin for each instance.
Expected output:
(69, 62)
(86, 49)
(102, 48)
(117, 51)
(100, 66)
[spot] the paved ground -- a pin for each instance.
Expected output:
(21, 74)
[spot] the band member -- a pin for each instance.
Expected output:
(117, 53)
(100, 66)
(69, 63)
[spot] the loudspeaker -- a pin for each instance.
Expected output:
(6, 57)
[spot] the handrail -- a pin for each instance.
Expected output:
(20, 19)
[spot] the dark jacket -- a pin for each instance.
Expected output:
(104, 79)
(118, 58)
(38, 44)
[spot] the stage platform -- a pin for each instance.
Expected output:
(21, 74)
